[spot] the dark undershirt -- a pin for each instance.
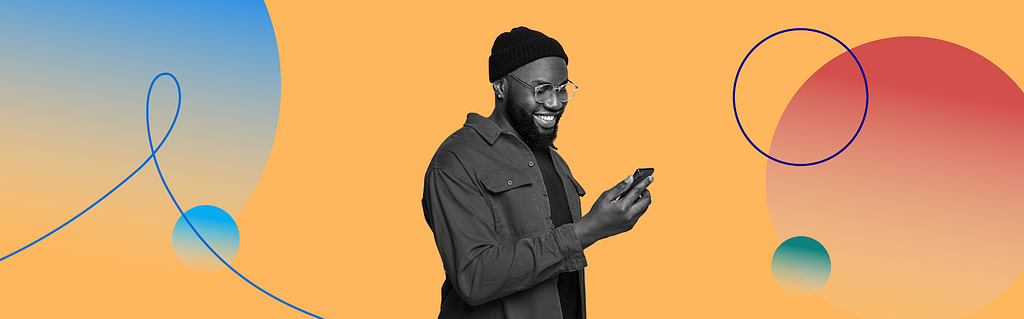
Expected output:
(568, 282)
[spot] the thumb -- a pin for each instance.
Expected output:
(625, 183)
(621, 187)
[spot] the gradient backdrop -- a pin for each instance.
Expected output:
(922, 214)
(311, 124)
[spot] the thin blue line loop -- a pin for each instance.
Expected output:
(152, 156)
(864, 117)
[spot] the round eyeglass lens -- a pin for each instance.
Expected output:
(566, 93)
(543, 93)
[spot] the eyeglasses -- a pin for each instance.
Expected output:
(543, 93)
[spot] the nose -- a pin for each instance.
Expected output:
(553, 103)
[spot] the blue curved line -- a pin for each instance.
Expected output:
(83, 212)
(149, 135)
(152, 156)
(862, 119)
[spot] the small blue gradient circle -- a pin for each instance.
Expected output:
(801, 266)
(219, 230)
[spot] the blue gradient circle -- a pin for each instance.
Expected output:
(801, 266)
(219, 230)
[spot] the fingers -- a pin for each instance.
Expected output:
(617, 190)
(621, 186)
(640, 207)
(640, 187)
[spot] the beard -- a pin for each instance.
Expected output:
(523, 123)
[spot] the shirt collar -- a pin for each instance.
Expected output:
(487, 128)
(484, 126)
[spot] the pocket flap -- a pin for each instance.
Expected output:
(503, 180)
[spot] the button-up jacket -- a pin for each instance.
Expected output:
(485, 200)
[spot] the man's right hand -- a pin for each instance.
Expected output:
(610, 216)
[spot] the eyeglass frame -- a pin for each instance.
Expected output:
(556, 88)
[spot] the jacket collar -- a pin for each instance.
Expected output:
(487, 128)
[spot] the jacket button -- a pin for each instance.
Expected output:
(510, 182)
(531, 163)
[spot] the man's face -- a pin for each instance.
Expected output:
(536, 122)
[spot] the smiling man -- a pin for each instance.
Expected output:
(503, 205)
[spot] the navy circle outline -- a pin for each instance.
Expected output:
(866, 99)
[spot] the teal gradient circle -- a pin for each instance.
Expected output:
(219, 230)
(801, 266)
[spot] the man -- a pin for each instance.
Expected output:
(503, 205)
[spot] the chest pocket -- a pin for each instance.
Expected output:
(513, 197)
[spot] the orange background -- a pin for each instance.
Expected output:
(368, 92)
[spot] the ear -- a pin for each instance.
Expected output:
(499, 88)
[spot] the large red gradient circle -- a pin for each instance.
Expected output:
(924, 214)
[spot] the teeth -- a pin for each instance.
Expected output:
(546, 117)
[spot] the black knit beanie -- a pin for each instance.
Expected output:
(520, 46)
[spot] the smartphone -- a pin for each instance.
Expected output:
(639, 175)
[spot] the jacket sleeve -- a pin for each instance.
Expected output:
(481, 264)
